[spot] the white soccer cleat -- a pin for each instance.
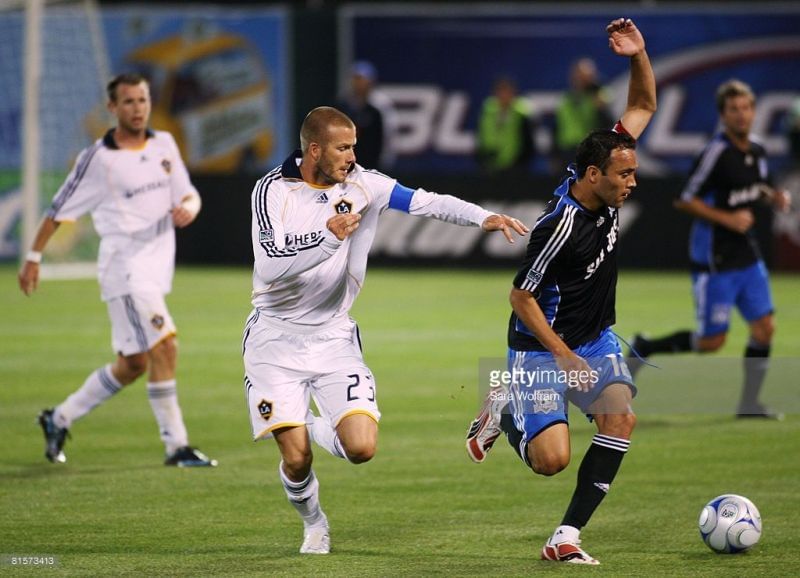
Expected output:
(485, 428)
(316, 540)
(569, 552)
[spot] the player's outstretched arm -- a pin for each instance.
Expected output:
(506, 224)
(624, 39)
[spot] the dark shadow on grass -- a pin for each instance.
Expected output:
(55, 471)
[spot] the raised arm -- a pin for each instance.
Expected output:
(624, 39)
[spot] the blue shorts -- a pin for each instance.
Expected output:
(539, 391)
(715, 294)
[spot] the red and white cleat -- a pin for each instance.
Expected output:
(569, 552)
(485, 428)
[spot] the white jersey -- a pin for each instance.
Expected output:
(303, 274)
(130, 194)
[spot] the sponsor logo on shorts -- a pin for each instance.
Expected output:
(266, 236)
(157, 321)
(720, 314)
(344, 207)
(545, 400)
(265, 409)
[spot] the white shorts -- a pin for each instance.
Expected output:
(285, 366)
(138, 323)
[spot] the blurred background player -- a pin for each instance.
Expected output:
(373, 114)
(563, 306)
(583, 108)
(137, 189)
(729, 179)
(505, 131)
(314, 220)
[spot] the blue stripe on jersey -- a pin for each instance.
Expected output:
(548, 301)
(71, 186)
(701, 237)
(401, 198)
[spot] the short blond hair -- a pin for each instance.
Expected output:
(732, 88)
(318, 121)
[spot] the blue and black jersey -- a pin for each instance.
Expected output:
(727, 178)
(570, 267)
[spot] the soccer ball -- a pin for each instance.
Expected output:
(730, 524)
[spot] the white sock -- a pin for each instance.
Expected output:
(163, 396)
(565, 534)
(304, 496)
(323, 433)
(97, 388)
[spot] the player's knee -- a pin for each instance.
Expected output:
(762, 332)
(618, 425)
(622, 426)
(359, 452)
(711, 344)
(296, 462)
(131, 367)
(548, 467)
(548, 464)
(165, 352)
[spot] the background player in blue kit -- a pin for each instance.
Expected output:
(729, 178)
(563, 309)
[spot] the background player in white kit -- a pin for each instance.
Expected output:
(137, 189)
(314, 219)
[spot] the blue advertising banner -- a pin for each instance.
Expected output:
(437, 65)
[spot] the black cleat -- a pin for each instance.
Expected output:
(54, 437)
(758, 411)
(187, 457)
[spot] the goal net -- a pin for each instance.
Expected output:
(54, 66)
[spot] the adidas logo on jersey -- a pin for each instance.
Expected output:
(322, 199)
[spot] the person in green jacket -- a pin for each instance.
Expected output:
(582, 109)
(505, 139)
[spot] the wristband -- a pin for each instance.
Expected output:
(34, 256)
(192, 203)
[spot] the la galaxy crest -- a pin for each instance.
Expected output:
(265, 409)
(343, 206)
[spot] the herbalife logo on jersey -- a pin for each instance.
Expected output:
(303, 239)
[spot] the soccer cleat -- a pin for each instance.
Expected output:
(54, 437)
(187, 457)
(485, 428)
(316, 540)
(569, 552)
(758, 411)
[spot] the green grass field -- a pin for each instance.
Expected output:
(420, 508)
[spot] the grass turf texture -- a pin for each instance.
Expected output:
(421, 508)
